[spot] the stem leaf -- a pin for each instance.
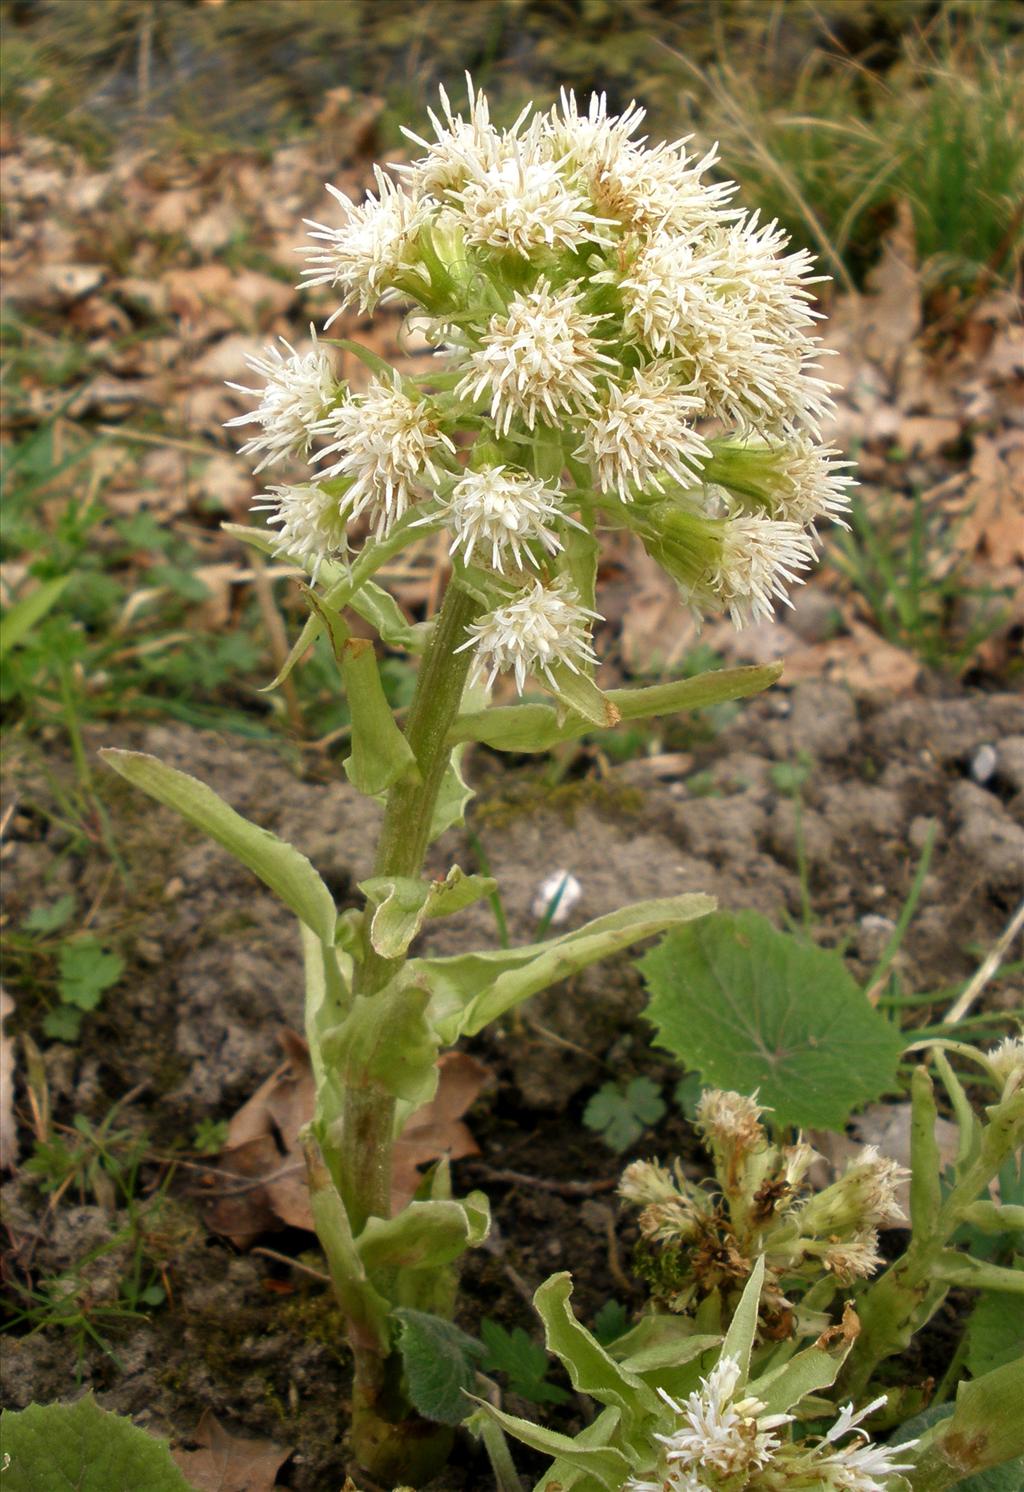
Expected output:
(469, 990)
(401, 904)
(280, 866)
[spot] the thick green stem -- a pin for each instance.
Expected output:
(368, 1116)
(901, 1300)
(390, 1440)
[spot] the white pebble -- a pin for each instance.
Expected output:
(984, 764)
(571, 891)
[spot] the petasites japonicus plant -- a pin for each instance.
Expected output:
(619, 347)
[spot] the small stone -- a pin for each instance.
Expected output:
(874, 933)
(148, 951)
(984, 763)
(175, 886)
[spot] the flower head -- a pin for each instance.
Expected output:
(544, 626)
(388, 443)
(1007, 1062)
(730, 1118)
(859, 1466)
(300, 388)
(732, 311)
(375, 248)
(856, 1258)
(312, 523)
(500, 511)
(718, 1437)
(758, 557)
(525, 205)
(539, 360)
(462, 148)
(862, 1199)
(795, 480)
(644, 189)
(640, 433)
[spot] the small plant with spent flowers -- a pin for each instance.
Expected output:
(619, 347)
(771, 1304)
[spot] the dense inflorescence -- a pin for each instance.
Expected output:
(618, 347)
(703, 1240)
(725, 1441)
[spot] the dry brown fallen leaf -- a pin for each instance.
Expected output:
(863, 661)
(260, 1178)
(8, 1128)
(437, 1130)
(230, 1463)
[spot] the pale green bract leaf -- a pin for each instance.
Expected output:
(328, 978)
(470, 990)
(341, 591)
(606, 1466)
(424, 1235)
(569, 1478)
(519, 728)
(582, 696)
(455, 793)
(930, 1424)
(379, 607)
(20, 618)
(592, 1370)
(439, 1365)
(281, 867)
(374, 604)
(807, 1373)
(385, 1042)
(995, 1331)
(380, 753)
(667, 1352)
(739, 1339)
(367, 1310)
(536, 727)
(81, 1446)
(403, 903)
(987, 1417)
(789, 1021)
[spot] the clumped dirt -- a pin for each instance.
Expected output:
(213, 974)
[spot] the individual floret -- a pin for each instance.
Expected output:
(299, 391)
(538, 361)
(641, 434)
(544, 627)
(502, 512)
(373, 256)
(389, 444)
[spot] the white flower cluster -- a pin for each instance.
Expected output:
(623, 346)
(726, 1442)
